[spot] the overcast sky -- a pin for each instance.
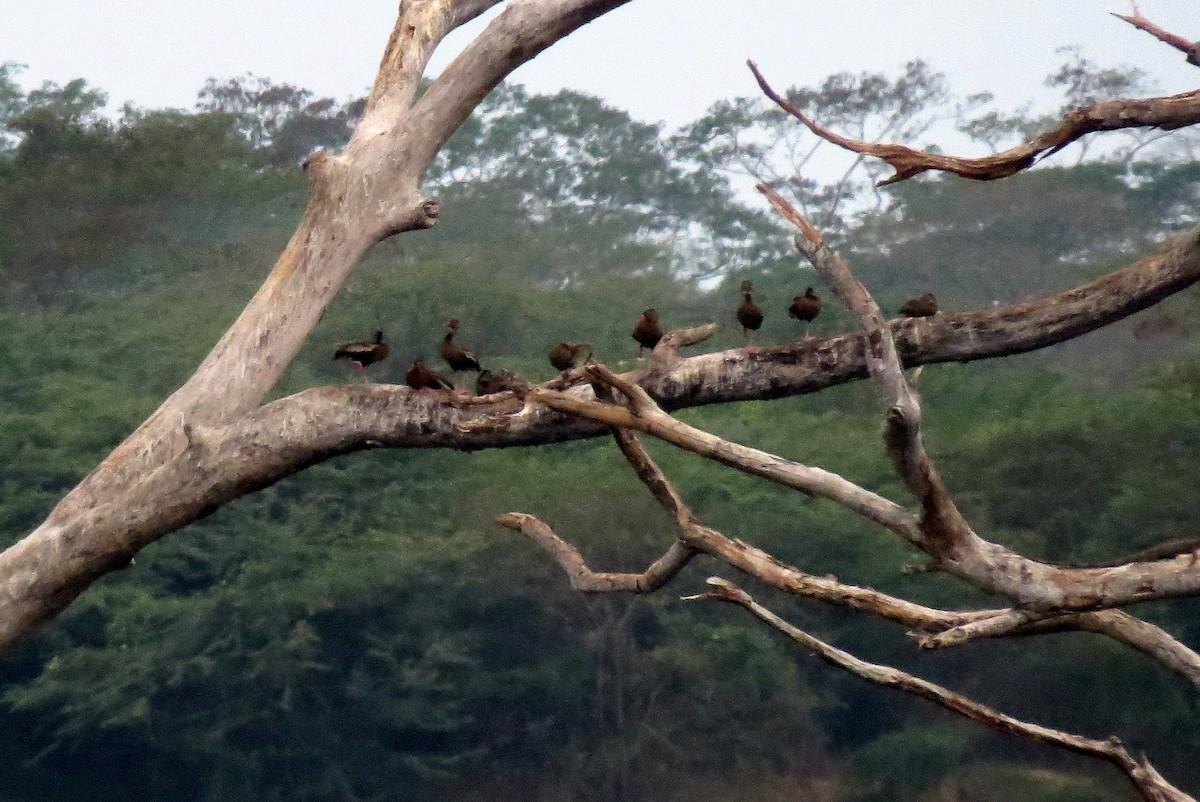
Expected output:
(660, 59)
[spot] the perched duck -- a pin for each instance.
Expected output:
(925, 306)
(805, 307)
(748, 313)
(565, 356)
(646, 332)
(498, 381)
(456, 356)
(363, 353)
(420, 377)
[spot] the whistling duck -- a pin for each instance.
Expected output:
(805, 307)
(498, 381)
(925, 306)
(565, 356)
(647, 333)
(456, 356)
(363, 353)
(420, 377)
(748, 313)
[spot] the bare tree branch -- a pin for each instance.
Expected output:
(467, 10)
(1167, 113)
(660, 572)
(1116, 624)
(1188, 48)
(1149, 783)
(524, 29)
(947, 536)
(947, 532)
(755, 561)
(357, 198)
(653, 478)
(650, 418)
(935, 628)
(695, 538)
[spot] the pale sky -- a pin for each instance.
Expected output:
(660, 59)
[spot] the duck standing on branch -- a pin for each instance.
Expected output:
(646, 332)
(420, 377)
(456, 356)
(363, 353)
(748, 313)
(565, 356)
(925, 306)
(805, 307)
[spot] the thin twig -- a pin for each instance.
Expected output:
(582, 578)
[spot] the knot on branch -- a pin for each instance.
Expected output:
(429, 213)
(895, 418)
(316, 162)
(722, 590)
(414, 213)
(666, 353)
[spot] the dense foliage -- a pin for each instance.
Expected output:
(364, 631)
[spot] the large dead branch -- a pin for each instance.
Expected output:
(946, 531)
(948, 538)
(210, 443)
(368, 192)
(1149, 783)
(693, 537)
(934, 628)
(120, 507)
(157, 482)
(1165, 113)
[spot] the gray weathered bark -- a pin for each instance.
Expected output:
(156, 481)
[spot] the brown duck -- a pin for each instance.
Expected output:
(420, 377)
(456, 356)
(363, 353)
(646, 332)
(748, 313)
(565, 356)
(925, 306)
(805, 307)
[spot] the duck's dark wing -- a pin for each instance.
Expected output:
(749, 315)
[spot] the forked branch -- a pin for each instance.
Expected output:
(694, 537)
(946, 536)
(932, 628)
(658, 574)
(947, 533)
(1148, 782)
